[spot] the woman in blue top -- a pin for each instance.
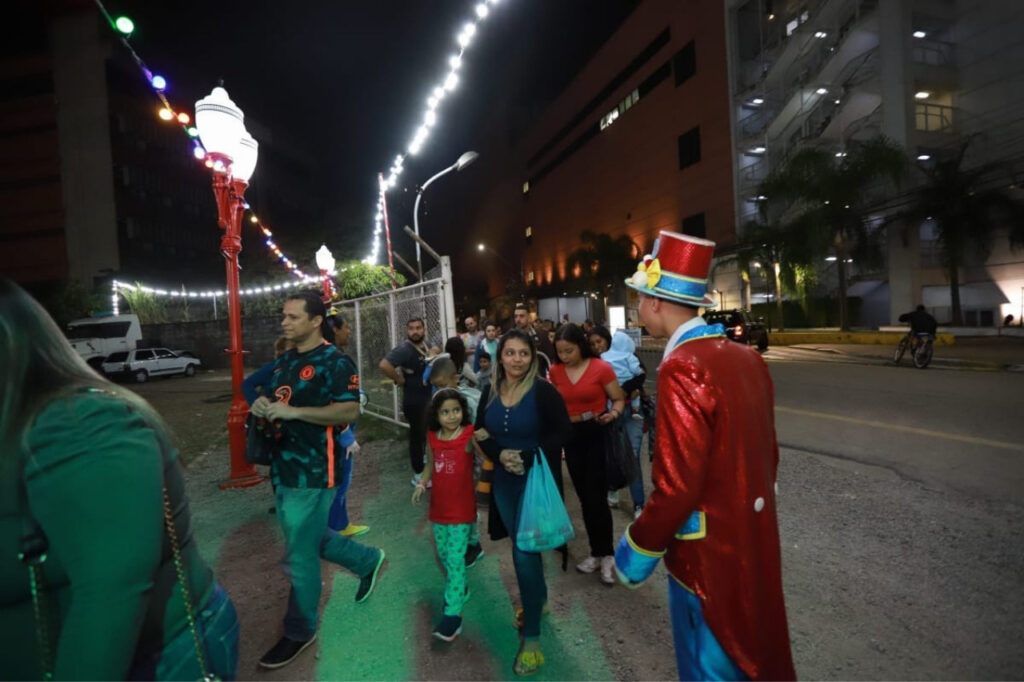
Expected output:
(523, 417)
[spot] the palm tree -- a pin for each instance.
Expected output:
(782, 250)
(823, 197)
(603, 260)
(967, 211)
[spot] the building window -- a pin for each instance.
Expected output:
(694, 225)
(526, 187)
(529, 231)
(529, 276)
(684, 63)
(689, 148)
(622, 107)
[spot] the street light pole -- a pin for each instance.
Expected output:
(233, 152)
(462, 162)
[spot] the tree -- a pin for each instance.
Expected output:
(967, 210)
(823, 198)
(149, 308)
(71, 301)
(356, 279)
(604, 262)
(781, 250)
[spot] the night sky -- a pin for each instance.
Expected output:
(347, 80)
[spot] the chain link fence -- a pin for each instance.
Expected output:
(378, 325)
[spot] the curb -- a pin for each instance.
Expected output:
(953, 363)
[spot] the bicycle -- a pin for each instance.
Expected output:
(920, 344)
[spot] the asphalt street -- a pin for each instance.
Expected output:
(900, 517)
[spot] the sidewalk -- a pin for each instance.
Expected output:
(994, 352)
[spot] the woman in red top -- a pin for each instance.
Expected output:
(586, 384)
(449, 466)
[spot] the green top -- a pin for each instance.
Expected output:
(94, 482)
(316, 378)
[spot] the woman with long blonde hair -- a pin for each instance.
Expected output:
(93, 497)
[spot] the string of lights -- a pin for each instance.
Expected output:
(124, 27)
(116, 287)
(442, 90)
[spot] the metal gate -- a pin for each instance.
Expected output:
(378, 325)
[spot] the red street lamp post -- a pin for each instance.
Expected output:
(233, 152)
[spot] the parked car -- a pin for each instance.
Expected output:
(740, 326)
(142, 363)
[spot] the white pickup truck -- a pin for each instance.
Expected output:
(94, 338)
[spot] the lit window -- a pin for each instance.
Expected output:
(526, 187)
(529, 276)
(529, 231)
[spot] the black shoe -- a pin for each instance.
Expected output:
(272, 510)
(284, 652)
(449, 628)
(473, 554)
(368, 581)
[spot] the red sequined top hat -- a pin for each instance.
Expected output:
(676, 270)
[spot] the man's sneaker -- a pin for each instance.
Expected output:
(637, 511)
(352, 530)
(369, 581)
(589, 565)
(473, 554)
(608, 570)
(449, 628)
(613, 498)
(284, 652)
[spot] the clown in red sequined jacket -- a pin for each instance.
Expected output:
(712, 513)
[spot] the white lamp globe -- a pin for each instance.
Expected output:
(324, 259)
(220, 123)
(245, 159)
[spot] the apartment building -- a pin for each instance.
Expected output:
(928, 74)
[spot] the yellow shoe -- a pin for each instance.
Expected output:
(528, 662)
(352, 530)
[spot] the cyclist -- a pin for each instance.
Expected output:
(920, 323)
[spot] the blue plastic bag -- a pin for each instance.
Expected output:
(543, 520)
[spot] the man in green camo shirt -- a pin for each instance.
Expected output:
(314, 394)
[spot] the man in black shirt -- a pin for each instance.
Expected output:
(543, 345)
(404, 365)
(920, 321)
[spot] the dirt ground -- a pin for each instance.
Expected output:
(884, 578)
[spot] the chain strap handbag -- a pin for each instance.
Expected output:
(33, 552)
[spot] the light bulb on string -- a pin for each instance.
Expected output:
(159, 82)
(166, 114)
(183, 118)
(124, 25)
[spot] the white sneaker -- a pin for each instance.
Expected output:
(588, 565)
(637, 511)
(608, 570)
(613, 498)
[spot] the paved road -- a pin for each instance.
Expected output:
(901, 519)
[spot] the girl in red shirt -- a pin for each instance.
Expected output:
(449, 464)
(587, 383)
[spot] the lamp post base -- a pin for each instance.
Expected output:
(246, 482)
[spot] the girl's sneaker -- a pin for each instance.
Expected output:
(589, 565)
(449, 628)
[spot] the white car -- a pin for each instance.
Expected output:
(142, 363)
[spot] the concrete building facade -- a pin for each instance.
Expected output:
(929, 75)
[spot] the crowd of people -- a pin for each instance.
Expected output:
(483, 412)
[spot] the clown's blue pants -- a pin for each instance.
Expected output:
(699, 656)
